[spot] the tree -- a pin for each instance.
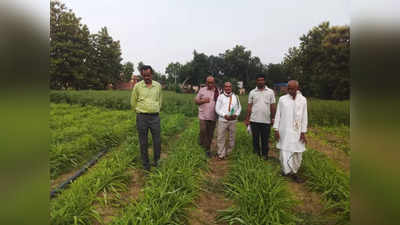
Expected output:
(173, 70)
(276, 73)
(69, 48)
(105, 66)
(140, 65)
(79, 60)
(321, 62)
(127, 71)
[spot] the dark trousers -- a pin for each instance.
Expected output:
(206, 133)
(144, 122)
(260, 131)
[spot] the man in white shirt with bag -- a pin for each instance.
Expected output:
(228, 109)
(290, 129)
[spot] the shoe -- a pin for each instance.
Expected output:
(285, 175)
(155, 164)
(297, 178)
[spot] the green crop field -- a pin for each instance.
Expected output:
(188, 187)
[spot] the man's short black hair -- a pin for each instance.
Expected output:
(260, 76)
(146, 67)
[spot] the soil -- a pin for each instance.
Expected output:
(212, 197)
(337, 155)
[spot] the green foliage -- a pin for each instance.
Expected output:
(78, 133)
(260, 194)
(127, 71)
(69, 48)
(324, 177)
(173, 69)
(234, 64)
(321, 62)
(76, 204)
(320, 112)
(171, 188)
(79, 60)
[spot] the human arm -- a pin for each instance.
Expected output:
(277, 121)
(249, 109)
(160, 97)
(199, 100)
(218, 107)
(272, 108)
(134, 98)
(239, 108)
(304, 124)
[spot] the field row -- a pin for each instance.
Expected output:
(321, 112)
(76, 204)
(78, 133)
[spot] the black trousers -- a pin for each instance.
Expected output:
(260, 131)
(144, 123)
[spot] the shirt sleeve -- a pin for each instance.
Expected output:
(304, 119)
(199, 95)
(251, 97)
(239, 106)
(218, 107)
(134, 98)
(273, 98)
(160, 96)
(277, 116)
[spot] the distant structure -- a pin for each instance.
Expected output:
(127, 85)
(242, 90)
(280, 88)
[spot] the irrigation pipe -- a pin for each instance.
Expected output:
(63, 185)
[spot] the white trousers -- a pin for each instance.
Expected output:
(290, 161)
(225, 128)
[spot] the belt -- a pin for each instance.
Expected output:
(149, 113)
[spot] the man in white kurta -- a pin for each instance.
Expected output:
(228, 109)
(290, 127)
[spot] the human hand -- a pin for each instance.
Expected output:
(303, 138)
(206, 100)
(234, 117)
(277, 137)
(247, 122)
(227, 117)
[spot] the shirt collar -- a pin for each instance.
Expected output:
(265, 88)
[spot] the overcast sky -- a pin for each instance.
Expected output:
(160, 32)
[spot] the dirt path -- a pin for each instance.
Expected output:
(212, 197)
(134, 188)
(310, 206)
(337, 155)
(133, 193)
(62, 178)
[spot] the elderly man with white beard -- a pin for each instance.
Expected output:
(290, 127)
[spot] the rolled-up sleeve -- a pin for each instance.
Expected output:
(251, 97)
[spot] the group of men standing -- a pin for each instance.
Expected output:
(288, 119)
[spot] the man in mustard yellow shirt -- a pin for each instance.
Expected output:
(146, 102)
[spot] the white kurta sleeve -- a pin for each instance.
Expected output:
(304, 119)
(218, 106)
(239, 109)
(277, 119)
